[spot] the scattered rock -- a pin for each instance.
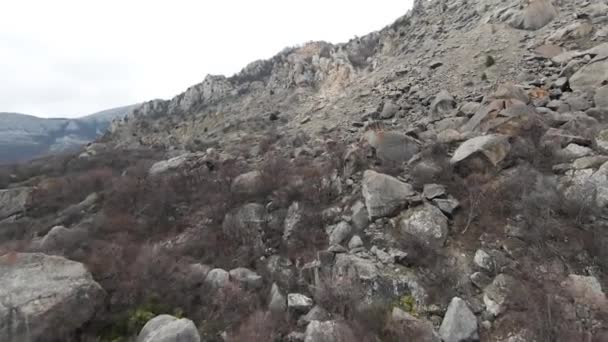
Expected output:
(299, 303)
(338, 233)
(249, 183)
(494, 148)
(425, 222)
(412, 326)
(13, 201)
(315, 314)
(384, 195)
(459, 323)
(360, 217)
(277, 303)
(328, 331)
(45, 297)
(431, 191)
(443, 104)
(483, 260)
(246, 277)
(217, 278)
(447, 205)
(355, 242)
(166, 328)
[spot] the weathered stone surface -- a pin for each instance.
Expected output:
(293, 218)
(447, 205)
(483, 260)
(383, 194)
(427, 223)
(299, 303)
(61, 238)
(44, 297)
(317, 313)
(586, 290)
(217, 278)
(360, 217)
(391, 146)
(494, 147)
(503, 293)
(602, 140)
(351, 265)
(591, 76)
(277, 303)
(459, 323)
(247, 224)
(339, 232)
(13, 201)
(167, 328)
(443, 104)
(355, 242)
(431, 191)
(412, 326)
(249, 183)
(172, 164)
(246, 277)
(328, 331)
(601, 97)
(531, 15)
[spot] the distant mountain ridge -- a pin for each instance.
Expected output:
(23, 137)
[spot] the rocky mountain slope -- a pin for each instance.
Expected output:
(442, 179)
(23, 137)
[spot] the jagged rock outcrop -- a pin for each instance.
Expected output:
(45, 297)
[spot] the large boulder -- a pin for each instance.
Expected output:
(328, 331)
(427, 223)
(277, 302)
(246, 278)
(166, 328)
(391, 146)
(217, 278)
(408, 325)
(249, 183)
(443, 104)
(530, 15)
(44, 298)
(173, 164)
(591, 76)
(492, 148)
(13, 201)
(247, 224)
(384, 195)
(459, 323)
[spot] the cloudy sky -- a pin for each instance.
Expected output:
(73, 57)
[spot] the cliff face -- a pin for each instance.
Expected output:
(23, 137)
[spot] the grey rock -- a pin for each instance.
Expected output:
(338, 233)
(425, 222)
(277, 303)
(299, 303)
(391, 146)
(13, 201)
(494, 147)
(423, 330)
(351, 265)
(443, 104)
(61, 238)
(246, 277)
(166, 328)
(249, 183)
(280, 269)
(480, 280)
(217, 278)
(591, 162)
(591, 76)
(246, 223)
(459, 323)
(197, 274)
(602, 140)
(383, 194)
(355, 242)
(389, 109)
(470, 108)
(328, 331)
(360, 217)
(577, 151)
(531, 15)
(483, 260)
(447, 205)
(172, 164)
(431, 191)
(383, 256)
(601, 97)
(315, 314)
(292, 220)
(44, 297)
(503, 293)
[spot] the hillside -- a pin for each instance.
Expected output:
(442, 179)
(23, 137)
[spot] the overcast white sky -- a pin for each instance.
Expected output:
(74, 57)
